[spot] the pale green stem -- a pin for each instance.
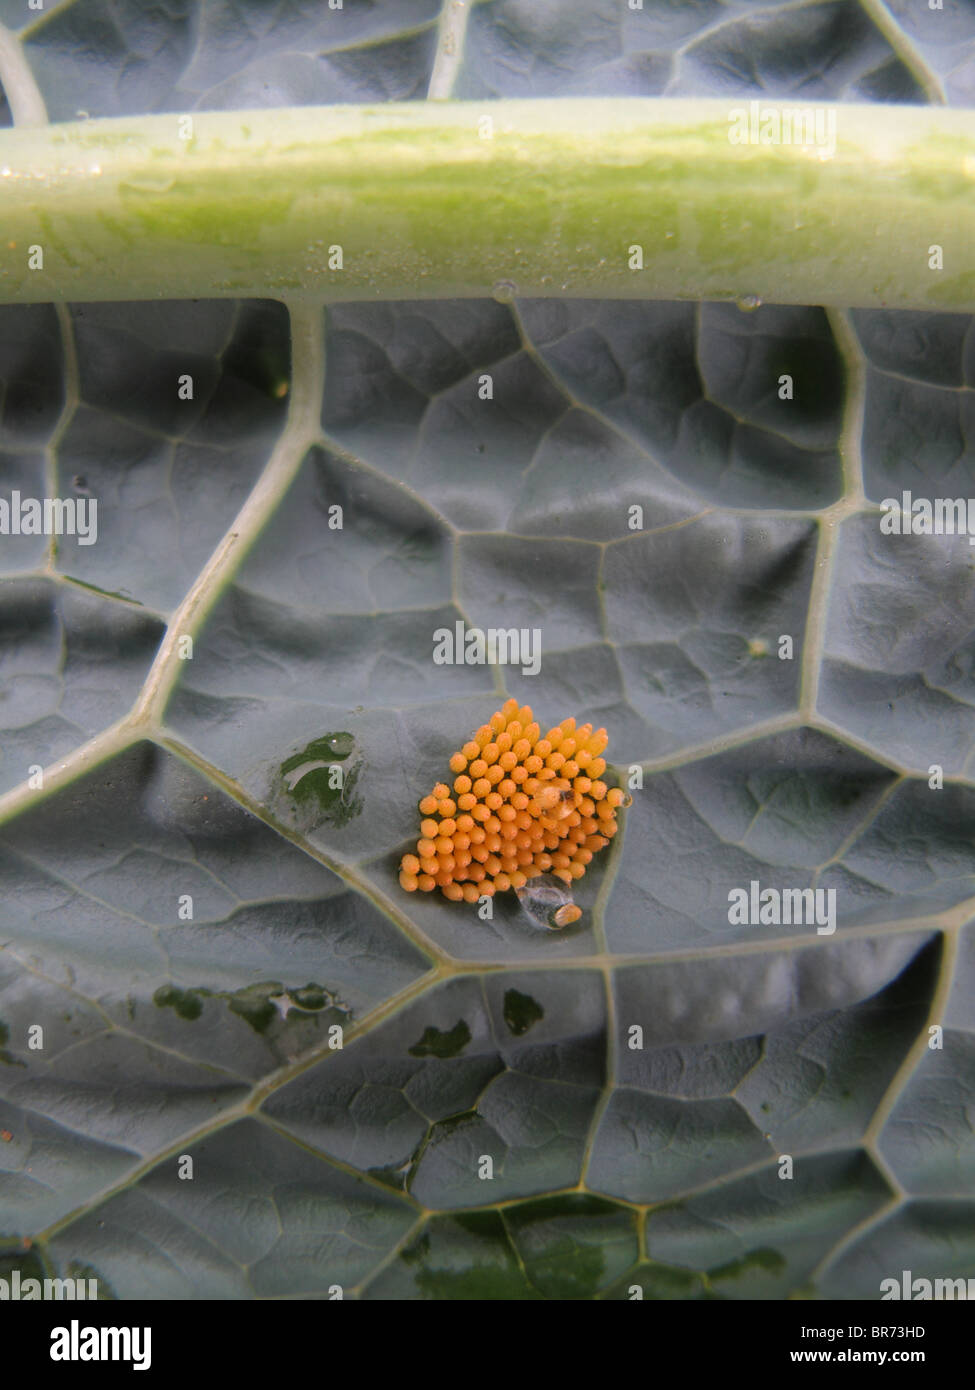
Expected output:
(536, 198)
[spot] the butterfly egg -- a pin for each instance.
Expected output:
(566, 915)
(523, 810)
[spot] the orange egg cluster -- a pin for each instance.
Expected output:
(521, 805)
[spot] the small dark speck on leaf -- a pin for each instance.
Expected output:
(435, 1043)
(521, 1011)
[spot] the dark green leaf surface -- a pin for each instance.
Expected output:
(193, 912)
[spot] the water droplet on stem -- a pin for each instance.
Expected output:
(547, 902)
(504, 291)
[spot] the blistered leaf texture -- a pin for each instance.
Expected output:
(236, 1060)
